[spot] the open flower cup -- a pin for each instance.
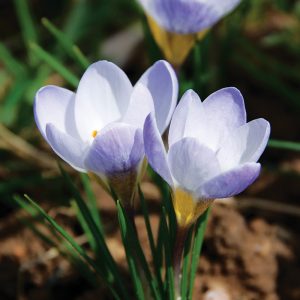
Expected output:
(176, 24)
(213, 151)
(99, 128)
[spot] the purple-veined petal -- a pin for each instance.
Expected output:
(158, 85)
(244, 144)
(226, 107)
(67, 147)
(224, 111)
(192, 163)
(102, 97)
(187, 16)
(155, 149)
(54, 105)
(188, 119)
(229, 183)
(115, 150)
(162, 83)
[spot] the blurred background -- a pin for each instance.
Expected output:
(252, 242)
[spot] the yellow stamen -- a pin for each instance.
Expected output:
(94, 133)
(186, 208)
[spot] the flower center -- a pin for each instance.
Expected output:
(188, 209)
(94, 133)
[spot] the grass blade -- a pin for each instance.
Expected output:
(102, 253)
(67, 44)
(168, 258)
(150, 238)
(11, 63)
(130, 253)
(294, 146)
(135, 247)
(56, 241)
(26, 23)
(8, 112)
(84, 226)
(28, 29)
(92, 201)
(198, 242)
(166, 201)
(40, 78)
(186, 264)
(55, 64)
(73, 244)
(268, 80)
(74, 24)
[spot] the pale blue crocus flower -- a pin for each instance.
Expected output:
(99, 129)
(187, 16)
(213, 151)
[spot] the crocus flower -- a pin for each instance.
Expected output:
(187, 16)
(176, 24)
(99, 128)
(213, 152)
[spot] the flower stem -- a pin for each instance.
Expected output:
(177, 258)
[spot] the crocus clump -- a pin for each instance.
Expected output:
(99, 128)
(177, 24)
(213, 151)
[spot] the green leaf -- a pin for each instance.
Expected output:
(186, 264)
(92, 201)
(84, 226)
(160, 243)
(28, 28)
(75, 20)
(73, 244)
(9, 108)
(26, 23)
(198, 242)
(10, 62)
(268, 62)
(294, 146)
(168, 258)
(40, 78)
(130, 253)
(55, 241)
(55, 64)
(104, 257)
(166, 201)
(269, 80)
(156, 260)
(66, 43)
(133, 245)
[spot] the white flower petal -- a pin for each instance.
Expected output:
(141, 104)
(102, 97)
(53, 104)
(157, 89)
(224, 111)
(68, 148)
(192, 163)
(155, 149)
(188, 119)
(244, 144)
